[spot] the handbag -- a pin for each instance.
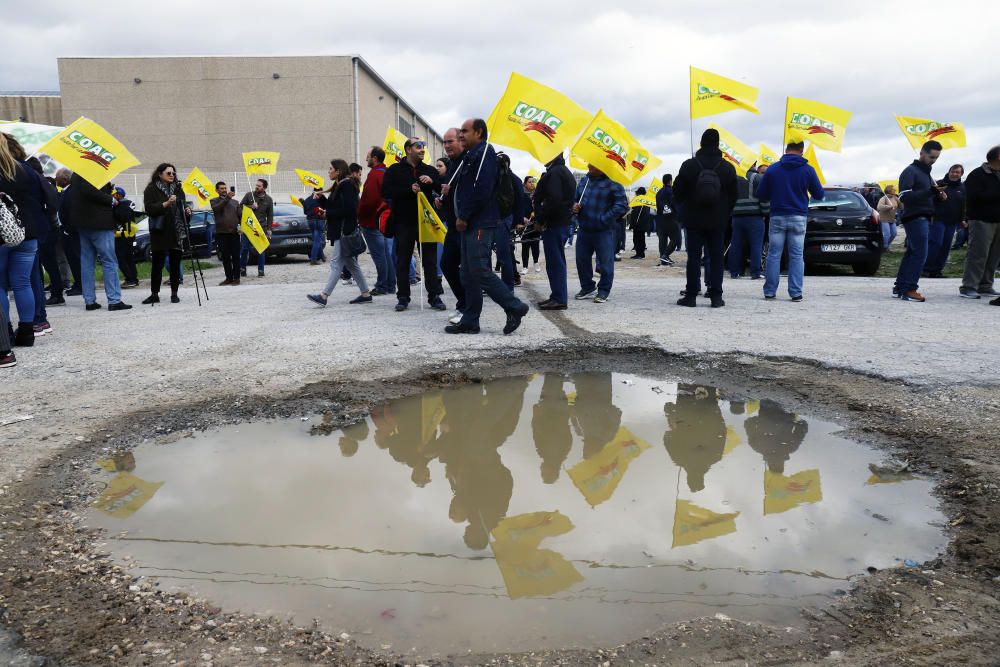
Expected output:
(353, 244)
(157, 223)
(11, 226)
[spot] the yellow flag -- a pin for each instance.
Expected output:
(818, 123)
(531, 572)
(252, 230)
(655, 186)
(767, 156)
(310, 180)
(431, 229)
(884, 183)
(295, 200)
(536, 119)
(125, 495)
(733, 439)
(530, 529)
(90, 151)
(693, 524)
(783, 493)
(642, 163)
(920, 130)
(607, 145)
(599, 476)
(198, 186)
(393, 146)
(533, 173)
(642, 200)
(431, 416)
(712, 94)
(810, 156)
(735, 151)
(261, 162)
(576, 162)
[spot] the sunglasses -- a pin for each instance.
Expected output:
(419, 144)
(168, 173)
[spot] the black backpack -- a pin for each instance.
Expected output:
(505, 190)
(708, 186)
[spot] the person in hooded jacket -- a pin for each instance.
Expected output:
(640, 219)
(949, 214)
(667, 229)
(788, 184)
(706, 204)
(553, 204)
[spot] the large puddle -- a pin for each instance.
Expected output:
(526, 513)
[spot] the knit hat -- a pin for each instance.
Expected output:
(710, 139)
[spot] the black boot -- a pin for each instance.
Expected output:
(25, 336)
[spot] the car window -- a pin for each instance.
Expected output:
(839, 200)
(287, 209)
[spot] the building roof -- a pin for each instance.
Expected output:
(29, 93)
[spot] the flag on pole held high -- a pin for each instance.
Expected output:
(712, 94)
(310, 180)
(820, 124)
(393, 146)
(261, 162)
(197, 184)
(735, 151)
(810, 156)
(536, 119)
(607, 145)
(89, 150)
(920, 130)
(295, 200)
(767, 155)
(431, 229)
(253, 231)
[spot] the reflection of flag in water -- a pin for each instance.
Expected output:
(693, 524)
(783, 493)
(733, 439)
(125, 495)
(431, 416)
(599, 476)
(753, 407)
(531, 572)
(531, 529)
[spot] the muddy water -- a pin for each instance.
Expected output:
(527, 513)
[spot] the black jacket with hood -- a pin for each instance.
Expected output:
(716, 216)
(554, 194)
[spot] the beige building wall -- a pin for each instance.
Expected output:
(40, 109)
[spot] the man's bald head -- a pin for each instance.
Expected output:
(452, 143)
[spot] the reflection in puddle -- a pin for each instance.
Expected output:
(519, 514)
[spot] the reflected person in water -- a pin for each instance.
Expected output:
(696, 439)
(398, 428)
(595, 414)
(775, 433)
(550, 427)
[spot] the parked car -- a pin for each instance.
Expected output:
(199, 236)
(844, 229)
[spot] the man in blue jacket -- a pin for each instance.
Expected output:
(787, 184)
(599, 203)
(918, 193)
(477, 214)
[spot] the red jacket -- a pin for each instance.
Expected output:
(371, 198)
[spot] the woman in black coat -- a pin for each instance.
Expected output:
(167, 209)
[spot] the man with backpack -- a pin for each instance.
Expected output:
(600, 202)
(554, 216)
(705, 191)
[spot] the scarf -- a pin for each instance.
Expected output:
(176, 213)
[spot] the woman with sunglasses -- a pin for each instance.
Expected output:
(167, 210)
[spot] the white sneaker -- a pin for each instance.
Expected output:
(538, 269)
(455, 318)
(524, 271)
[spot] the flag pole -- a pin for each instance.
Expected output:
(691, 108)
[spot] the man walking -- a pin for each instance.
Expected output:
(554, 218)
(918, 193)
(227, 232)
(451, 256)
(263, 208)
(400, 186)
(95, 224)
(370, 210)
(600, 202)
(705, 190)
(982, 190)
(314, 207)
(667, 229)
(787, 185)
(477, 216)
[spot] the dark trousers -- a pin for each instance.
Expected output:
(406, 241)
(71, 245)
(619, 236)
(174, 266)
(712, 243)
(529, 249)
(126, 260)
(748, 233)
(451, 266)
(601, 245)
(505, 253)
(229, 251)
(939, 240)
(478, 276)
(669, 233)
(50, 262)
(639, 241)
(554, 241)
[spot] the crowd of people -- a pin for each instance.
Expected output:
(69, 225)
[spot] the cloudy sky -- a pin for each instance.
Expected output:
(452, 60)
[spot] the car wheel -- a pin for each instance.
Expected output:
(148, 253)
(869, 268)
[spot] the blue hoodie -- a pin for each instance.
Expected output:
(788, 183)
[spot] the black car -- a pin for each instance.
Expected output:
(289, 233)
(199, 236)
(844, 229)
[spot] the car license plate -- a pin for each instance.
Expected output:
(838, 247)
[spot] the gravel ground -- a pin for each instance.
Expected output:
(916, 372)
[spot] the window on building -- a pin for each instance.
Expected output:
(405, 127)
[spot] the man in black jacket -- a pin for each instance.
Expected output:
(400, 186)
(705, 190)
(553, 201)
(667, 229)
(918, 193)
(982, 190)
(94, 220)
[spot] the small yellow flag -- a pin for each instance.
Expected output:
(530, 529)
(735, 151)
(295, 200)
(125, 495)
(920, 130)
(815, 122)
(261, 162)
(693, 524)
(783, 493)
(599, 476)
(90, 151)
(533, 173)
(393, 147)
(607, 145)
(252, 230)
(884, 183)
(536, 119)
(431, 415)
(712, 94)
(431, 229)
(198, 186)
(310, 180)
(655, 186)
(767, 156)
(642, 200)
(810, 156)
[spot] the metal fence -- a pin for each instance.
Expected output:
(281, 186)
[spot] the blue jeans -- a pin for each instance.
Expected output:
(317, 229)
(908, 276)
(210, 239)
(505, 256)
(601, 244)
(554, 246)
(16, 265)
(377, 243)
(99, 244)
(477, 276)
(245, 255)
(939, 239)
(390, 269)
(888, 234)
(962, 237)
(790, 231)
(748, 230)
